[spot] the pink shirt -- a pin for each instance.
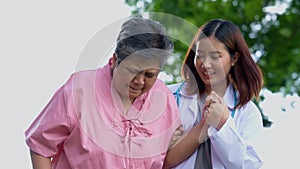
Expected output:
(84, 127)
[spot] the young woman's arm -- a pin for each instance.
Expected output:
(186, 145)
(40, 162)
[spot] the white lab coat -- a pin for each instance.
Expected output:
(232, 147)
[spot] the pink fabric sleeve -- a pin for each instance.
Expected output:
(52, 126)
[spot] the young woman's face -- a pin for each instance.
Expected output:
(135, 75)
(213, 62)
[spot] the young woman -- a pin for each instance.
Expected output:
(117, 116)
(220, 120)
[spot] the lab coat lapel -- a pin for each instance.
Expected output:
(229, 97)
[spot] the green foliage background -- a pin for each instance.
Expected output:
(272, 35)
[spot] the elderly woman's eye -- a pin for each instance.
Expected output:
(132, 71)
(150, 74)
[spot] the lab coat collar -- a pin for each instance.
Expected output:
(194, 100)
(229, 96)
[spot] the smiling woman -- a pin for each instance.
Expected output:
(216, 110)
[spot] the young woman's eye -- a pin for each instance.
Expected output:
(215, 57)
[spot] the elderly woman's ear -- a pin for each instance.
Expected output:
(113, 61)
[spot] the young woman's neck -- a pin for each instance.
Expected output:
(220, 89)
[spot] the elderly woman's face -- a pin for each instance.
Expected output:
(135, 75)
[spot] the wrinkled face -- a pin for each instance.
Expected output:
(135, 75)
(213, 62)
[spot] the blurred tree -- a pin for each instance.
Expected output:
(270, 27)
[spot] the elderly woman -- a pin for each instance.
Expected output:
(117, 116)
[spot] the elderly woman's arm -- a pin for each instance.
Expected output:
(40, 162)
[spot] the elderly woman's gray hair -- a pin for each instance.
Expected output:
(143, 37)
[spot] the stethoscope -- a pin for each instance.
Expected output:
(177, 95)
